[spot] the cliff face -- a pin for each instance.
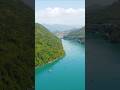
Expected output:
(16, 45)
(47, 46)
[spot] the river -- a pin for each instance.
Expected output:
(67, 73)
(102, 64)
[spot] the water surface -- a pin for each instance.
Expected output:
(67, 73)
(102, 64)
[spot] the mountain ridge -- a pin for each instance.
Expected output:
(105, 22)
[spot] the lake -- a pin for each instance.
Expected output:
(68, 73)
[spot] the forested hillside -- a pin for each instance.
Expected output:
(16, 45)
(47, 46)
(76, 35)
(105, 21)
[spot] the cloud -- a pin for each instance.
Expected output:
(60, 15)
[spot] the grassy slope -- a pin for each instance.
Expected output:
(47, 46)
(16, 43)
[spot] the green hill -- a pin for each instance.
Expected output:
(105, 21)
(47, 46)
(16, 45)
(76, 35)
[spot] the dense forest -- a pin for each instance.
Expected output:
(47, 46)
(16, 45)
(105, 21)
(76, 35)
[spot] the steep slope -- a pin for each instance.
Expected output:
(76, 35)
(47, 46)
(16, 45)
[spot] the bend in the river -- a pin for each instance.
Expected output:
(67, 73)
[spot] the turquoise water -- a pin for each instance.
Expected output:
(67, 73)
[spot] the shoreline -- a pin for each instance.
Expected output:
(40, 66)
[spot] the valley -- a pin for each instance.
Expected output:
(55, 63)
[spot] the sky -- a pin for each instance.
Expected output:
(65, 12)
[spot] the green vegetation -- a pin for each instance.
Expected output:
(76, 35)
(105, 21)
(16, 45)
(47, 46)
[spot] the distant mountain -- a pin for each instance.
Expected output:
(76, 35)
(60, 28)
(47, 46)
